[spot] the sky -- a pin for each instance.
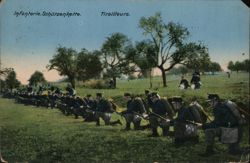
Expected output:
(28, 43)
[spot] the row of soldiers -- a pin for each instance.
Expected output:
(160, 112)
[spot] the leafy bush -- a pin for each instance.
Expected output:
(96, 84)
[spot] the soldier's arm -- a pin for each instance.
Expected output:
(140, 105)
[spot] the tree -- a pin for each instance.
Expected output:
(179, 70)
(214, 66)
(169, 42)
(11, 81)
(238, 66)
(2, 85)
(5, 71)
(231, 66)
(114, 51)
(143, 56)
(65, 62)
(88, 64)
(199, 62)
(184, 70)
(246, 65)
(36, 77)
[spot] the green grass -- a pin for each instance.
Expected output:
(46, 135)
(236, 88)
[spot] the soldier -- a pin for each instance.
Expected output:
(148, 101)
(104, 110)
(197, 111)
(135, 109)
(79, 107)
(184, 83)
(224, 120)
(91, 103)
(69, 101)
(91, 106)
(195, 81)
(62, 103)
(161, 114)
(52, 99)
(187, 121)
(71, 91)
(57, 91)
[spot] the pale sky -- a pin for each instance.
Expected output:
(28, 43)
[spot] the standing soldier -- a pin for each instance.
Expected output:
(161, 115)
(104, 110)
(135, 109)
(225, 125)
(195, 81)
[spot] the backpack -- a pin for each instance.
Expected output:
(234, 110)
(197, 113)
(139, 105)
(229, 135)
(168, 107)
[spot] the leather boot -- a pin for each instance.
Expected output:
(127, 126)
(165, 131)
(137, 126)
(98, 122)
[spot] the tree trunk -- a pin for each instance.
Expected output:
(150, 79)
(72, 82)
(114, 80)
(163, 75)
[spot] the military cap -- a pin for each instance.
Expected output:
(177, 99)
(213, 97)
(88, 95)
(127, 94)
(146, 91)
(99, 94)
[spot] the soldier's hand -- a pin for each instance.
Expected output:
(144, 115)
(199, 125)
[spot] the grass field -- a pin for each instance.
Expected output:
(236, 88)
(46, 135)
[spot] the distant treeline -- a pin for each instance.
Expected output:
(239, 66)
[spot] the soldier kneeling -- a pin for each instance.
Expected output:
(161, 114)
(187, 121)
(104, 110)
(135, 109)
(227, 125)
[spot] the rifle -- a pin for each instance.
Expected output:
(93, 112)
(243, 111)
(206, 114)
(159, 116)
(195, 123)
(141, 115)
